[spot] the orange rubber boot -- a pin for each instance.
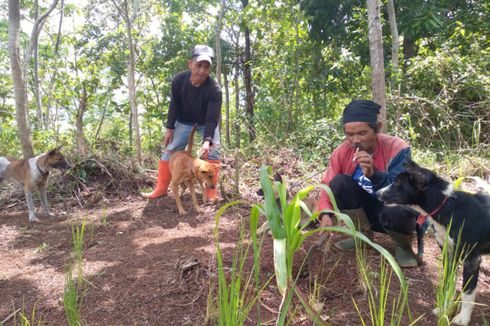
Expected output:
(163, 180)
(212, 193)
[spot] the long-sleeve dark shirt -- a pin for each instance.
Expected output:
(190, 104)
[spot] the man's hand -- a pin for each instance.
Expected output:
(365, 162)
(167, 139)
(325, 221)
(205, 150)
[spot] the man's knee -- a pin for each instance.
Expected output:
(342, 184)
(399, 219)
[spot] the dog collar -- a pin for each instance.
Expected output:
(422, 217)
(43, 173)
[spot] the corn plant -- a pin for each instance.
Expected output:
(78, 234)
(24, 318)
(447, 297)
(233, 298)
(73, 293)
(378, 296)
(71, 301)
(288, 236)
(363, 270)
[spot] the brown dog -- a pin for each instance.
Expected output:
(33, 172)
(186, 170)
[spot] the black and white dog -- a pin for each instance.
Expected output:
(470, 213)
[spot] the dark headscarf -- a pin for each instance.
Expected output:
(361, 111)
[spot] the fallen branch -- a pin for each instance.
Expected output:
(10, 316)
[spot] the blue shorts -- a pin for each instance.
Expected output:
(180, 137)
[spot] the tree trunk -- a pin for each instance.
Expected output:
(237, 103)
(227, 105)
(295, 100)
(217, 42)
(132, 94)
(23, 128)
(124, 12)
(37, 89)
(376, 56)
(36, 29)
(247, 74)
(102, 116)
(35, 73)
(80, 135)
(409, 48)
(48, 116)
(32, 51)
(395, 43)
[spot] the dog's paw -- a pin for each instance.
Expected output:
(34, 219)
(182, 212)
(461, 319)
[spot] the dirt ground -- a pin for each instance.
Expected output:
(146, 265)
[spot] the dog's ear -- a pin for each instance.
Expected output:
(411, 165)
(53, 151)
(205, 168)
(421, 179)
(417, 174)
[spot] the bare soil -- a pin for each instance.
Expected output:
(146, 265)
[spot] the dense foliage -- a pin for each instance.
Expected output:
(307, 62)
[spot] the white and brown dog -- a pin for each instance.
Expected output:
(33, 172)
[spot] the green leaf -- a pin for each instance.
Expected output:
(458, 182)
(280, 265)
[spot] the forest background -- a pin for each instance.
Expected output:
(96, 75)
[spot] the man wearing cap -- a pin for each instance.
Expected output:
(365, 162)
(195, 99)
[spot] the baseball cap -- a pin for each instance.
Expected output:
(203, 53)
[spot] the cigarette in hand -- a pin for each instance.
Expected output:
(357, 150)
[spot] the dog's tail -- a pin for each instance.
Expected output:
(190, 140)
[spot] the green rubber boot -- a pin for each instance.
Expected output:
(361, 221)
(404, 254)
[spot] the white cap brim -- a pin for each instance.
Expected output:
(204, 57)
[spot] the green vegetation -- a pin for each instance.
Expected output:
(75, 289)
(447, 296)
(237, 293)
(304, 71)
